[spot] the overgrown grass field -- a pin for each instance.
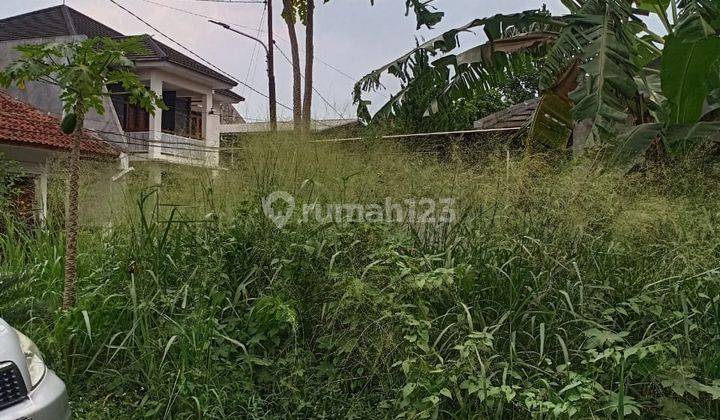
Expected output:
(561, 291)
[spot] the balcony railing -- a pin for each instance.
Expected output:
(138, 142)
(170, 145)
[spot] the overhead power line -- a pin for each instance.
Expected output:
(430, 134)
(200, 15)
(255, 48)
(313, 88)
(240, 25)
(131, 141)
(194, 54)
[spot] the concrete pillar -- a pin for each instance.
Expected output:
(41, 192)
(155, 121)
(211, 131)
(154, 175)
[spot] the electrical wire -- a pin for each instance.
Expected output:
(138, 142)
(254, 51)
(431, 134)
(319, 141)
(341, 115)
(195, 54)
(177, 9)
(200, 57)
(240, 25)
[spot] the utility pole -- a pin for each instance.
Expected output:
(272, 95)
(271, 69)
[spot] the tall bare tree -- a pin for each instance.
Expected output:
(289, 15)
(309, 61)
(305, 9)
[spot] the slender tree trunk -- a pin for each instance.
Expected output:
(309, 58)
(289, 17)
(71, 224)
(271, 68)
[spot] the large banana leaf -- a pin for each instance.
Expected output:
(551, 124)
(484, 53)
(698, 19)
(687, 70)
(655, 6)
(425, 16)
(562, 54)
(528, 23)
(480, 68)
(609, 69)
(649, 86)
(628, 146)
(678, 139)
(712, 104)
(448, 40)
(681, 139)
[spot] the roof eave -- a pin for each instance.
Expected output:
(225, 84)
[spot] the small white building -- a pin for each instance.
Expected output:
(33, 140)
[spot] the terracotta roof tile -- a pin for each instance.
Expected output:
(21, 124)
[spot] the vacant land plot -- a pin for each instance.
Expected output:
(557, 290)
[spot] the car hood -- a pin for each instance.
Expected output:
(10, 351)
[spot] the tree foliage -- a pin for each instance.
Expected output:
(611, 69)
(400, 115)
(82, 71)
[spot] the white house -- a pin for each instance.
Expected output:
(188, 133)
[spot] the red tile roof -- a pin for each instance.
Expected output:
(21, 124)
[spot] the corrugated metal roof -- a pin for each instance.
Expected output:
(514, 117)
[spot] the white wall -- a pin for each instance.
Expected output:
(46, 97)
(32, 162)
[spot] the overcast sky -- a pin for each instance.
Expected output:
(351, 36)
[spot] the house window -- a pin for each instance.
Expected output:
(132, 117)
(137, 119)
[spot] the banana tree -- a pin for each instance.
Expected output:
(602, 69)
(477, 68)
(684, 93)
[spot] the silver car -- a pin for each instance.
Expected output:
(28, 389)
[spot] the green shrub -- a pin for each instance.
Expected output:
(560, 292)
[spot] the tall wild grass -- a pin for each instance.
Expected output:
(561, 291)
